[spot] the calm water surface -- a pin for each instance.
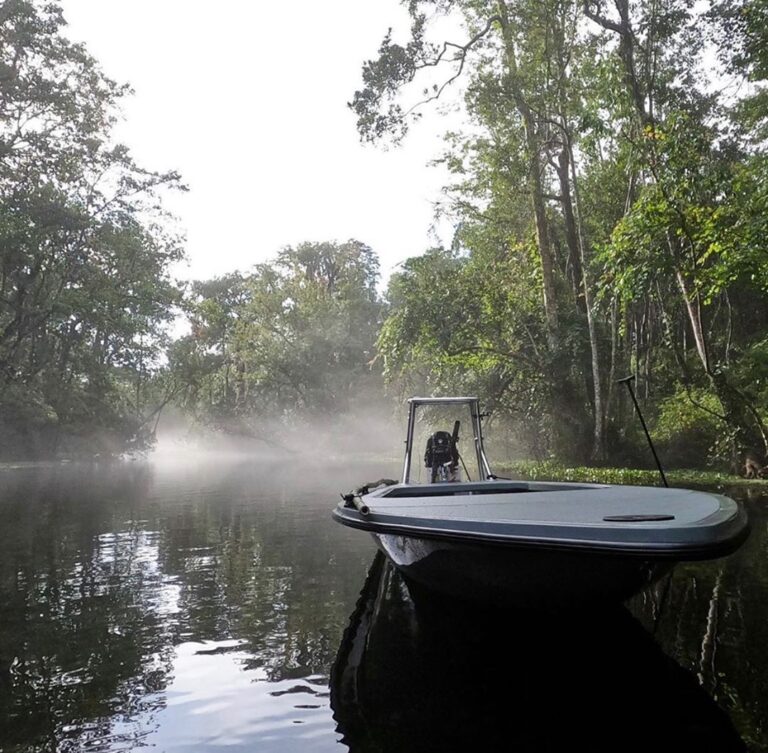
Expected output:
(215, 606)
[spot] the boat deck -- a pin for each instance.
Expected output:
(601, 517)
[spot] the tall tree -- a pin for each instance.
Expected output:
(597, 142)
(520, 64)
(84, 256)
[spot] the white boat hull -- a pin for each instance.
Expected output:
(544, 545)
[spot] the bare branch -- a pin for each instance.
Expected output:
(460, 57)
(606, 23)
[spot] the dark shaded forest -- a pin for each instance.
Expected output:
(610, 202)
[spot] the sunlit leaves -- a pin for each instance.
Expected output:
(703, 217)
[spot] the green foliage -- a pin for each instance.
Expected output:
(377, 114)
(554, 471)
(293, 339)
(689, 428)
(740, 31)
(84, 283)
(472, 325)
(610, 219)
(703, 217)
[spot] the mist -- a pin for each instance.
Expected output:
(374, 434)
(370, 438)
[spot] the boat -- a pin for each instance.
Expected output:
(415, 675)
(463, 531)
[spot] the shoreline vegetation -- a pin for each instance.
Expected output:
(554, 471)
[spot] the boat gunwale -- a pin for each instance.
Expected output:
(657, 550)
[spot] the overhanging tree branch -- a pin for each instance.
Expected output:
(460, 57)
(397, 66)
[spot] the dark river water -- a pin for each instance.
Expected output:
(215, 606)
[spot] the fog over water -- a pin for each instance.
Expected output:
(372, 433)
(378, 434)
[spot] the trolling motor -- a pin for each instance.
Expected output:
(442, 455)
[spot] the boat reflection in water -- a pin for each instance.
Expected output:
(427, 674)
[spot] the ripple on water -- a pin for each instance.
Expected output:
(213, 700)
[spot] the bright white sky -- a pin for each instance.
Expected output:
(247, 100)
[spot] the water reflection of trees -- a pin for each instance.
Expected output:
(262, 569)
(710, 618)
(103, 573)
(82, 634)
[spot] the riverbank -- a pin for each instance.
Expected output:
(554, 471)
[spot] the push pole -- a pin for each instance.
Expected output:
(628, 381)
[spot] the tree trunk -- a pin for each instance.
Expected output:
(542, 239)
(571, 235)
(747, 429)
(535, 167)
(598, 446)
